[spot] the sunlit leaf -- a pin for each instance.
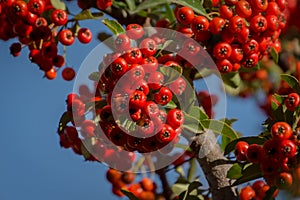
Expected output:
(292, 81)
(131, 4)
(250, 173)
(87, 14)
(115, 27)
(58, 4)
(274, 54)
(64, 120)
(232, 79)
(220, 128)
(194, 4)
(235, 171)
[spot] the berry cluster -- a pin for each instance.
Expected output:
(145, 189)
(278, 156)
(256, 191)
(242, 33)
(41, 27)
(145, 99)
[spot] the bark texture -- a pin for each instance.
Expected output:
(214, 165)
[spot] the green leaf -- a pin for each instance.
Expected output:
(192, 124)
(161, 48)
(289, 117)
(149, 4)
(86, 154)
(169, 13)
(292, 81)
(171, 105)
(197, 112)
(235, 171)
(192, 170)
(131, 4)
(171, 73)
(274, 54)
(183, 146)
(129, 194)
(64, 120)
(278, 113)
(115, 27)
(94, 76)
(276, 101)
(178, 188)
(103, 36)
(97, 105)
(252, 172)
(194, 4)
(225, 141)
(269, 193)
(220, 128)
(87, 14)
(232, 79)
(250, 140)
(229, 121)
(120, 4)
(58, 4)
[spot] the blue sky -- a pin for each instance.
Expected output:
(33, 166)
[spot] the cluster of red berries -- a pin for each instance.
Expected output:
(277, 157)
(257, 191)
(90, 142)
(145, 189)
(135, 86)
(242, 33)
(35, 23)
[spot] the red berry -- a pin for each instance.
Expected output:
(255, 153)
(222, 50)
(243, 9)
(241, 150)
(164, 96)
(19, 8)
(59, 17)
(68, 73)
(66, 37)
(185, 15)
(36, 6)
(166, 134)
(216, 25)
(84, 35)
(122, 42)
(134, 31)
(133, 56)
(224, 66)
(281, 130)
(51, 74)
(103, 4)
(247, 193)
(148, 47)
(200, 23)
(119, 67)
(292, 101)
(175, 118)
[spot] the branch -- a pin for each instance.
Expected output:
(167, 192)
(214, 165)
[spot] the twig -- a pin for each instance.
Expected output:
(167, 192)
